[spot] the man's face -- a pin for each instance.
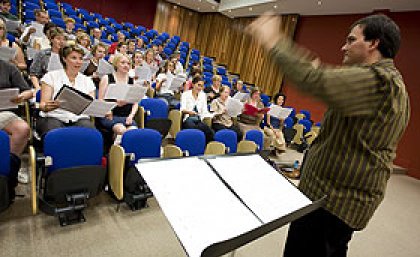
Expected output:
(70, 26)
(42, 18)
(5, 7)
(356, 49)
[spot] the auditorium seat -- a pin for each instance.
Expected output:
(191, 141)
(257, 137)
(246, 146)
(156, 115)
(69, 174)
(4, 170)
(229, 138)
(136, 144)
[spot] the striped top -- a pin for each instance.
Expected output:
(351, 159)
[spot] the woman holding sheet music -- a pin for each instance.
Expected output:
(19, 59)
(98, 53)
(274, 127)
(122, 116)
(52, 116)
(221, 120)
(194, 108)
(39, 66)
(163, 83)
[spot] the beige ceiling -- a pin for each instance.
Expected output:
(244, 8)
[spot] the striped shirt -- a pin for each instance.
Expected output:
(351, 159)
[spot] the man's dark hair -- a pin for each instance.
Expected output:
(384, 29)
(5, 2)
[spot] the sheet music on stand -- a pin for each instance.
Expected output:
(79, 103)
(279, 112)
(129, 93)
(7, 53)
(104, 68)
(54, 63)
(5, 96)
(234, 107)
(215, 208)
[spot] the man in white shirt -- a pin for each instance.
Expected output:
(41, 18)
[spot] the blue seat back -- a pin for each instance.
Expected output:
(4, 154)
(265, 99)
(156, 108)
(306, 113)
(256, 136)
(191, 140)
(73, 146)
(307, 125)
(288, 122)
(227, 137)
(144, 143)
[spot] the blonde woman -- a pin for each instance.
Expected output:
(19, 59)
(121, 117)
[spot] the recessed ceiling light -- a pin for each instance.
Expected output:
(175, 7)
(213, 7)
(319, 2)
(250, 8)
(275, 7)
(229, 10)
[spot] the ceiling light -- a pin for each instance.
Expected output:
(229, 10)
(319, 2)
(175, 6)
(275, 7)
(250, 8)
(213, 7)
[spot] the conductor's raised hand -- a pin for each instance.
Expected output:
(266, 30)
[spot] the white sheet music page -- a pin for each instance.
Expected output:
(7, 53)
(200, 208)
(54, 63)
(176, 83)
(104, 68)
(5, 96)
(241, 96)
(126, 92)
(279, 112)
(234, 107)
(143, 73)
(268, 194)
(99, 108)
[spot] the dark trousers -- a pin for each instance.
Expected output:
(318, 234)
(217, 126)
(198, 124)
(45, 124)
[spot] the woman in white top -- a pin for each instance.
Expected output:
(121, 117)
(52, 116)
(163, 83)
(149, 61)
(194, 108)
(19, 59)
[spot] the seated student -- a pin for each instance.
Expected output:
(131, 48)
(163, 83)
(27, 38)
(98, 53)
(10, 77)
(149, 61)
(188, 85)
(97, 34)
(274, 127)
(5, 7)
(237, 86)
(179, 69)
(52, 116)
(121, 117)
(213, 91)
(157, 56)
(69, 31)
(19, 59)
(83, 40)
(113, 47)
(140, 45)
(220, 119)
(194, 108)
(39, 66)
(122, 48)
(248, 121)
